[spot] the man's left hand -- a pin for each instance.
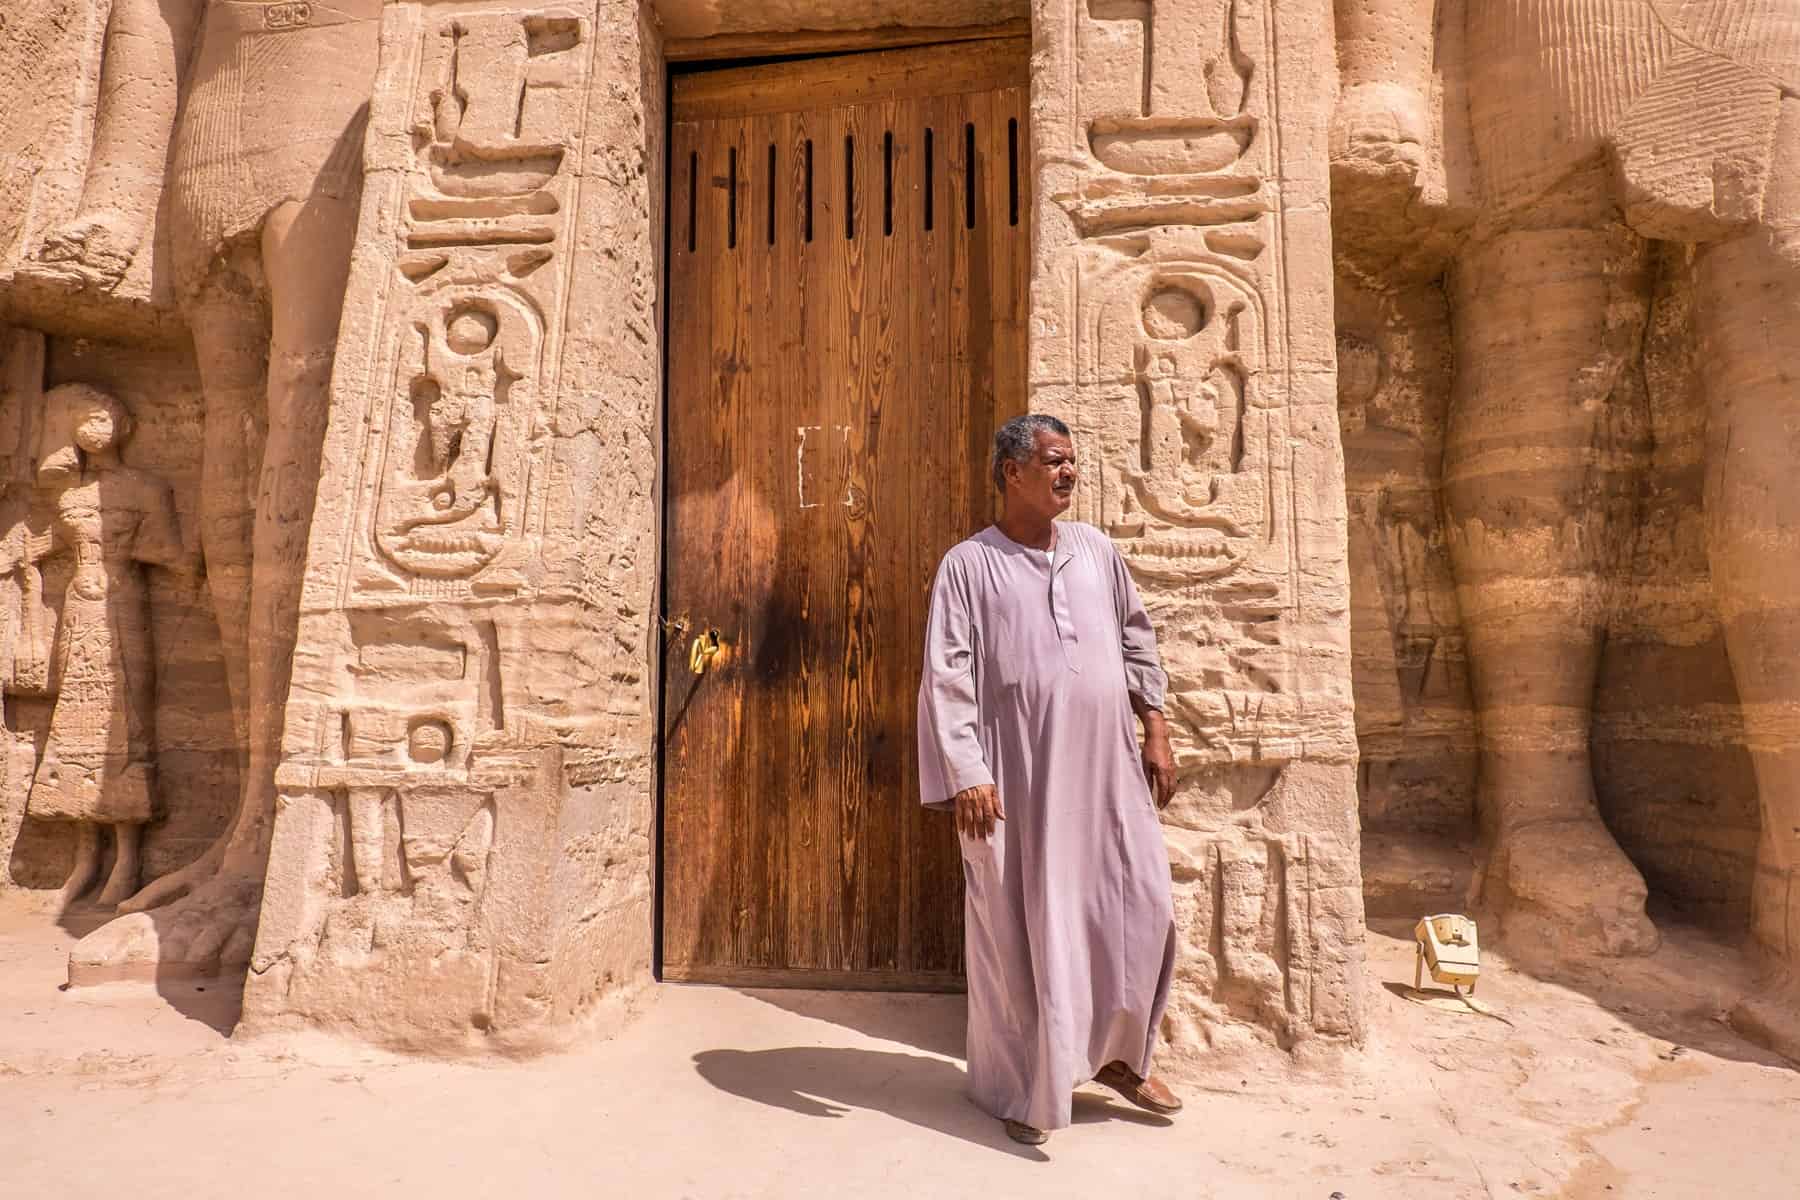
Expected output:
(1159, 764)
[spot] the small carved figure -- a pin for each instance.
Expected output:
(98, 763)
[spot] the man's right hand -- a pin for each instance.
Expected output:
(977, 811)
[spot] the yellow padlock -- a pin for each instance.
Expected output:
(706, 647)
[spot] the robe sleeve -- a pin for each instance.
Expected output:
(1144, 675)
(950, 756)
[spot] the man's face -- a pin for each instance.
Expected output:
(1045, 482)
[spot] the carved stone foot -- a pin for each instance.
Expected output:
(1565, 890)
(119, 887)
(175, 884)
(1771, 1016)
(86, 869)
(122, 881)
(1380, 130)
(209, 932)
(92, 251)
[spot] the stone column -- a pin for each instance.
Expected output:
(462, 849)
(1182, 325)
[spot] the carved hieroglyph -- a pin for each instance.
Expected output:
(1182, 326)
(465, 784)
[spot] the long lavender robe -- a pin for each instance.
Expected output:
(1070, 929)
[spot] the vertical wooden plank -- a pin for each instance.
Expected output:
(832, 330)
(935, 871)
(888, 643)
(675, 932)
(983, 236)
(800, 563)
(950, 516)
(922, 878)
(1007, 269)
(696, 475)
(727, 607)
(756, 890)
(849, 495)
(893, 761)
(783, 776)
(965, 331)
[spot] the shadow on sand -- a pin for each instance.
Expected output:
(832, 1082)
(1684, 993)
(216, 1001)
(936, 1024)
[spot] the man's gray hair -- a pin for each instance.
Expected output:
(1016, 441)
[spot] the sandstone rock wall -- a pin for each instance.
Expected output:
(1478, 152)
(1509, 506)
(126, 342)
(51, 52)
(1182, 326)
(195, 751)
(467, 765)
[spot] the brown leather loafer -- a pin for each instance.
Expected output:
(1151, 1095)
(1027, 1135)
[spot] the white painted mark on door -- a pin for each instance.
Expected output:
(849, 488)
(800, 461)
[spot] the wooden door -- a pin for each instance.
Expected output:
(848, 243)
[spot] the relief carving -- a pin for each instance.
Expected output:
(1541, 151)
(1184, 377)
(452, 505)
(1174, 110)
(97, 767)
(459, 772)
(258, 108)
(1184, 332)
(1196, 64)
(483, 265)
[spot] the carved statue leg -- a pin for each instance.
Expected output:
(1544, 321)
(87, 864)
(366, 838)
(230, 332)
(122, 881)
(1748, 311)
(305, 259)
(1383, 119)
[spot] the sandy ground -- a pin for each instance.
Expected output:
(1626, 1085)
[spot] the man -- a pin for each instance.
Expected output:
(1037, 653)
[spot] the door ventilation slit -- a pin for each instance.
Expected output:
(930, 192)
(693, 197)
(849, 186)
(969, 175)
(731, 202)
(809, 192)
(887, 184)
(771, 193)
(1012, 171)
